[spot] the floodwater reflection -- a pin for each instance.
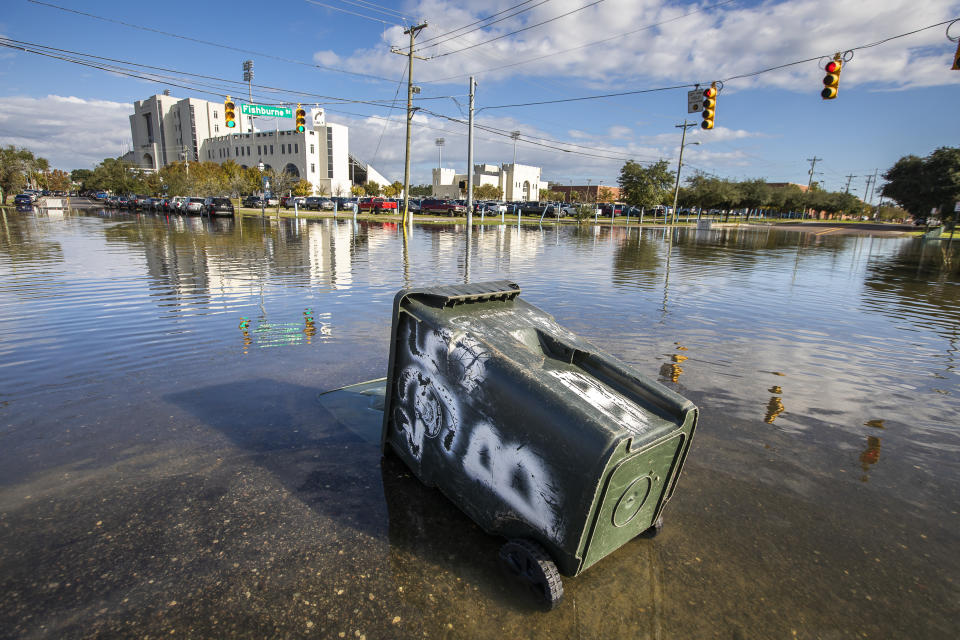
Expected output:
(162, 435)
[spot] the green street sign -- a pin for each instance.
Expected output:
(266, 111)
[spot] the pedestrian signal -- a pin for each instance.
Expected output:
(229, 113)
(301, 119)
(709, 106)
(831, 81)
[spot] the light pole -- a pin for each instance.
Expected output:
(248, 78)
(440, 142)
(516, 136)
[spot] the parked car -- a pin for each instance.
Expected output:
(376, 205)
(253, 202)
(327, 204)
(218, 206)
(918, 222)
(194, 205)
(447, 207)
(23, 199)
(177, 204)
(272, 201)
(287, 202)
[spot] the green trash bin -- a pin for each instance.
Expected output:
(535, 434)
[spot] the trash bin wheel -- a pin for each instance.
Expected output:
(654, 529)
(529, 562)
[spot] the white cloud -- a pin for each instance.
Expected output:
(70, 132)
(716, 43)
(326, 58)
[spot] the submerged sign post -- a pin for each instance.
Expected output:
(266, 111)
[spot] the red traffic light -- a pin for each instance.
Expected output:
(831, 81)
(710, 93)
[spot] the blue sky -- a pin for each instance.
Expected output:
(895, 99)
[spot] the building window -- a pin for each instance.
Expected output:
(271, 149)
(215, 113)
(296, 148)
(283, 148)
(311, 148)
(259, 152)
(313, 168)
(236, 151)
(216, 128)
(330, 153)
(248, 149)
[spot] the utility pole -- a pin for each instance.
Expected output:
(683, 140)
(440, 142)
(813, 162)
(866, 190)
(873, 186)
(412, 32)
(849, 178)
(473, 86)
(516, 136)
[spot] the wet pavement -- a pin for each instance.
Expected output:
(168, 465)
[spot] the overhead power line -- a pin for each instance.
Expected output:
(425, 44)
(527, 28)
(686, 85)
(585, 45)
(224, 87)
(353, 13)
(208, 42)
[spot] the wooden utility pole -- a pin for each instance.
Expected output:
(676, 190)
(412, 32)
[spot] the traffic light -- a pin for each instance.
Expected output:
(956, 59)
(301, 119)
(709, 106)
(831, 81)
(229, 113)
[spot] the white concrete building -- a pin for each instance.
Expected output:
(517, 182)
(319, 154)
(167, 129)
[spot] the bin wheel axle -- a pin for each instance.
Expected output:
(529, 562)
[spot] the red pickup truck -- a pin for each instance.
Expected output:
(377, 205)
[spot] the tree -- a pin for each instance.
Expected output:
(280, 182)
(754, 194)
(393, 189)
(372, 188)
(646, 186)
(604, 194)
(80, 177)
(421, 191)
(339, 190)
(321, 191)
(358, 190)
(303, 188)
(487, 192)
(17, 166)
(116, 176)
(923, 184)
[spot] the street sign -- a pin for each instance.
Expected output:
(266, 111)
(694, 101)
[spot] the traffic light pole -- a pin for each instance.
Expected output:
(813, 163)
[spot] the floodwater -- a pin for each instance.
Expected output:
(167, 466)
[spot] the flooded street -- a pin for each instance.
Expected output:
(168, 465)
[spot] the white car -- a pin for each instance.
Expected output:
(195, 205)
